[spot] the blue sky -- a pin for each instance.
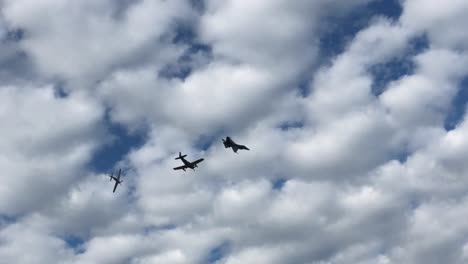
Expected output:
(354, 113)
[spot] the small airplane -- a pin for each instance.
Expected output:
(187, 164)
(229, 143)
(117, 180)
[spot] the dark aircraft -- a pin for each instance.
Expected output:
(117, 180)
(187, 164)
(229, 143)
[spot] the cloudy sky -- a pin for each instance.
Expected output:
(354, 111)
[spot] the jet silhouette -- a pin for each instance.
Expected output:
(229, 143)
(187, 164)
(117, 180)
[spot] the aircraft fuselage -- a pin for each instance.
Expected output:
(188, 164)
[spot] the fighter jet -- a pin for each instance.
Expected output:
(117, 180)
(187, 164)
(229, 143)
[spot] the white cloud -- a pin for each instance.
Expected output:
(45, 142)
(349, 195)
(443, 22)
(28, 236)
(83, 41)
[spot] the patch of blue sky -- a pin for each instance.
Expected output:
(15, 63)
(338, 33)
(7, 219)
(402, 154)
(292, 124)
(179, 71)
(153, 228)
(60, 90)
(14, 35)
(204, 142)
(303, 87)
(198, 5)
(74, 242)
(397, 67)
(458, 106)
(122, 143)
(195, 51)
(218, 252)
(278, 184)
(414, 203)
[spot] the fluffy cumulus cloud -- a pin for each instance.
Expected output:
(354, 113)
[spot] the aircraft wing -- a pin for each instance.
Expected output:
(243, 147)
(115, 186)
(181, 167)
(197, 161)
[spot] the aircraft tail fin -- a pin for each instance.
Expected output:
(111, 176)
(181, 156)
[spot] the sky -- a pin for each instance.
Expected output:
(354, 112)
